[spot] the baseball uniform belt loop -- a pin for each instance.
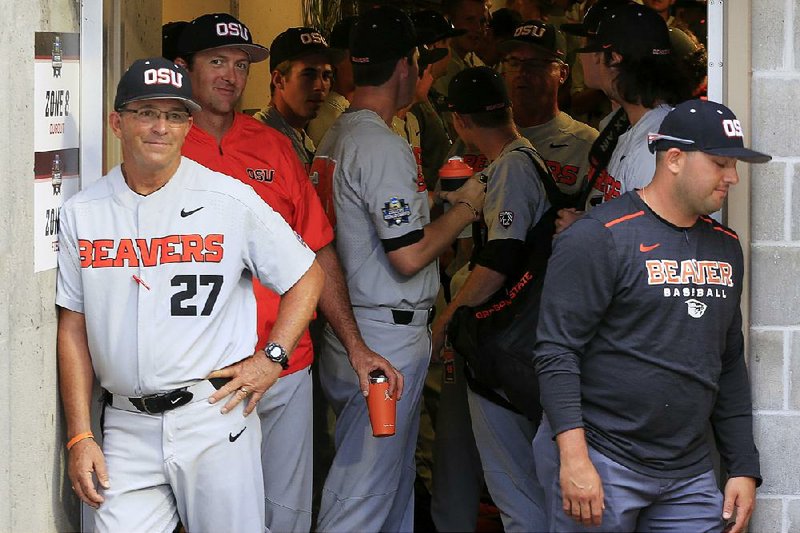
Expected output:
(155, 404)
(400, 317)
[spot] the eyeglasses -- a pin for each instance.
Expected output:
(148, 116)
(514, 64)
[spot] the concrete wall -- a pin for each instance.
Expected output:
(775, 261)
(34, 495)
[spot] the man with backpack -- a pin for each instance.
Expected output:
(515, 202)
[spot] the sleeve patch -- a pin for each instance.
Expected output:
(506, 218)
(396, 212)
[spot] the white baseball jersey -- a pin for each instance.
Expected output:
(164, 280)
(564, 144)
(632, 165)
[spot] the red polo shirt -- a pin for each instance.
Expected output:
(264, 159)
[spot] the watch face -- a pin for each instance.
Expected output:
(276, 353)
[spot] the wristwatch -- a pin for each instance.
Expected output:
(277, 354)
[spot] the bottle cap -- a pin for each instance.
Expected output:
(455, 168)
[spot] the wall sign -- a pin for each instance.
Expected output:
(55, 137)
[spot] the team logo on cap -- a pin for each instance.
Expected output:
(163, 76)
(530, 29)
(732, 127)
(232, 29)
(312, 38)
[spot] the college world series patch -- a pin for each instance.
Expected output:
(505, 218)
(396, 212)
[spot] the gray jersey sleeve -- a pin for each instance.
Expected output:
(390, 192)
(515, 197)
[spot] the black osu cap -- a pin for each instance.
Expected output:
(340, 34)
(504, 21)
(154, 78)
(431, 26)
(539, 34)
(216, 30)
(704, 126)
(592, 18)
(429, 56)
(170, 33)
(633, 30)
(476, 90)
(381, 34)
(295, 43)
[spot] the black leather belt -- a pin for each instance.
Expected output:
(404, 317)
(155, 404)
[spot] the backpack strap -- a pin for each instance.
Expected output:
(600, 152)
(554, 194)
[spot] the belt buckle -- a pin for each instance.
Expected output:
(165, 401)
(147, 399)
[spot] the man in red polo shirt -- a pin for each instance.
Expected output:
(217, 50)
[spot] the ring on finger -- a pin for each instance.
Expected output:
(244, 391)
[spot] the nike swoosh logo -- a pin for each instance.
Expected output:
(232, 437)
(176, 400)
(553, 145)
(185, 213)
(645, 249)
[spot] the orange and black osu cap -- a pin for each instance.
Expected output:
(382, 34)
(704, 126)
(217, 30)
(477, 90)
(155, 78)
(633, 30)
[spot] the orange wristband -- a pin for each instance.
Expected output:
(79, 437)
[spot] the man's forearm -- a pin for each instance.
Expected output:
(334, 302)
(480, 285)
(297, 308)
(437, 237)
(75, 372)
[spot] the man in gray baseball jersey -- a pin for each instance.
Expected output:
(155, 299)
(301, 66)
(515, 201)
(388, 248)
(534, 70)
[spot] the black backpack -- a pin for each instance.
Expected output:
(496, 338)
